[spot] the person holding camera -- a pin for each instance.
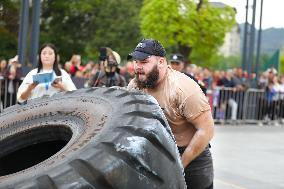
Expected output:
(47, 63)
(107, 76)
(185, 107)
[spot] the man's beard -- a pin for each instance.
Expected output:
(150, 81)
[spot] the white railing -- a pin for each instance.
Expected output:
(228, 104)
(8, 91)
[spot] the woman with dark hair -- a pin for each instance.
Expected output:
(47, 63)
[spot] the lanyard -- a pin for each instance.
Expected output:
(46, 86)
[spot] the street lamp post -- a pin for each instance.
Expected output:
(23, 32)
(244, 58)
(35, 32)
(259, 42)
(252, 36)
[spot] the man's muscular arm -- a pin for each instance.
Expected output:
(205, 130)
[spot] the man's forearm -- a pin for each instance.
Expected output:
(197, 145)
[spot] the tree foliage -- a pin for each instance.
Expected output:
(68, 24)
(282, 65)
(9, 19)
(196, 30)
(84, 26)
(221, 62)
(117, 26)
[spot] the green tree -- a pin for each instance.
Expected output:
(223, 63)
(117, 26)
(68, 24)
(282, 64)
(83, 27)
(9, 11)
(196, 30)
(282, 61)
(76, 26)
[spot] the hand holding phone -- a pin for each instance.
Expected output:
(57, 80)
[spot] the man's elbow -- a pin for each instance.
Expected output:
(210, 128)
(211, 131)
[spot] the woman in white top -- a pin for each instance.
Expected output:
(47, 64)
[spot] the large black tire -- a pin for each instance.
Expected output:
(102, 138)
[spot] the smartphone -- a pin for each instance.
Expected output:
(57, 79)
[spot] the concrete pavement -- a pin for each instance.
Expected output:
(248, 157)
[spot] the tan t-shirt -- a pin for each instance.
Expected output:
(182, 101)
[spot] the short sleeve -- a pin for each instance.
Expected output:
(25, 84)
(67, 81)
(194, 105)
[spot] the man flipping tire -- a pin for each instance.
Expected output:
(185, 106)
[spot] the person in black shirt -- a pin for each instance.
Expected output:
(177, 63)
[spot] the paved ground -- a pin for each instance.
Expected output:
(248, 157)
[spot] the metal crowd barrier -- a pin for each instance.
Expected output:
(228, 104)
(250, 106)
(8, 92)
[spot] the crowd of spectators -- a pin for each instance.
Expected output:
(10, 76)
(236, 79)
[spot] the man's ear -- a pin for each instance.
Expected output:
(162, 62)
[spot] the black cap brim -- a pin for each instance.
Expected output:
(178, 61)
(137, 55)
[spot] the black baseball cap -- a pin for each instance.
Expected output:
(146, 48)
(177, 58)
